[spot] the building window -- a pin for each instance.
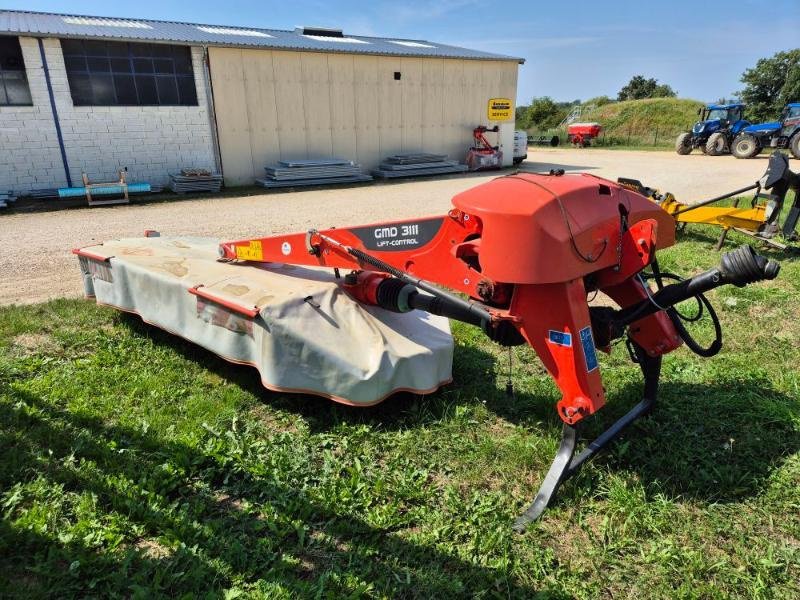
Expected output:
(14, 90)
(129, 74)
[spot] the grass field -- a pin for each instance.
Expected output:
(137, 465)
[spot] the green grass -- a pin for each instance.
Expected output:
(136, 465)
(638, 124)
(644, 116)
(643, 124)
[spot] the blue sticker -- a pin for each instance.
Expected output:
(560, 338)
(589, 352)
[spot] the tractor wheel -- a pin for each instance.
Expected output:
(716, 144)
(745, 146)
(703, 149)
(794, 146)
(683, 145)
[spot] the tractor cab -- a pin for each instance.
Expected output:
(715, 117)
(790, 117)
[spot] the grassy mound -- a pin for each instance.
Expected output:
(642, 117)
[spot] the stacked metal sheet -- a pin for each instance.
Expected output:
(292, 173)
(7, 198)
(44, 193)
(195, 180)
(417, 165)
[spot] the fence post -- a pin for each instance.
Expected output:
(655, 141)
(629, 135)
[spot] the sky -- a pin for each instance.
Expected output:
(574, 49)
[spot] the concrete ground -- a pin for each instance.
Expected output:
(36, 263)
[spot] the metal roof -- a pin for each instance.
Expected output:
(724, 106)
(37, 24)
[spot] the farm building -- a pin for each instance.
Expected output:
(90, 94)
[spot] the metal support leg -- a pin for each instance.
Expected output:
(721, 241)
(565, 464)
(556, 474)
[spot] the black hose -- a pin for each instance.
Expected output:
(738, 267)
(679, 319)
(691, 343)
(473, 313)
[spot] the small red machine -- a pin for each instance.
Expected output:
(582, 134)
(526, 250)
(482, 156)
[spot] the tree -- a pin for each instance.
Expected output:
(639, 87)
(545, 113)
(598, 101)
(519, 116)
(771, 84)
(663, 91)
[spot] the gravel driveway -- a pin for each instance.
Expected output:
(37, 264)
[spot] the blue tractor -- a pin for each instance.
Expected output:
(713, 133)
(784, 133)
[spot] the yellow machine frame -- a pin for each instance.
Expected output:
(747, 220)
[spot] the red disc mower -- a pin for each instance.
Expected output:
(523, 252)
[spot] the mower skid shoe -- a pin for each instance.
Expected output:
(566, 464)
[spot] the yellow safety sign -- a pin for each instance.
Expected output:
(252, 251)
(500, 109)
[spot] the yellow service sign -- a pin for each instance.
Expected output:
(500, 109)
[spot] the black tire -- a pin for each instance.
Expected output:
(518, 160)
(745, 146)
(794, 145)
(703, 148)
(716, 145)
(683, 145)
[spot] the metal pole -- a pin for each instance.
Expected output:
(717, 199)
(56, 121)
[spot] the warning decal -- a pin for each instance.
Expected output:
(560, 338)
(252, 251)
(589, 353)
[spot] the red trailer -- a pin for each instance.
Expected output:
(581, 134)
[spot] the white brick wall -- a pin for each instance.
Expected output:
(152, 141)
(29, 154)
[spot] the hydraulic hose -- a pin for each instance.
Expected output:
(738, 267)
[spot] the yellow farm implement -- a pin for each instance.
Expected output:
(757, 219)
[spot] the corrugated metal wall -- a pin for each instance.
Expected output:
(273, 105)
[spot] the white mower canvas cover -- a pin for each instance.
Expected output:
(294, 324)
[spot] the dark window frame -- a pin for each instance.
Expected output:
(12, 67)
(102, 73)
